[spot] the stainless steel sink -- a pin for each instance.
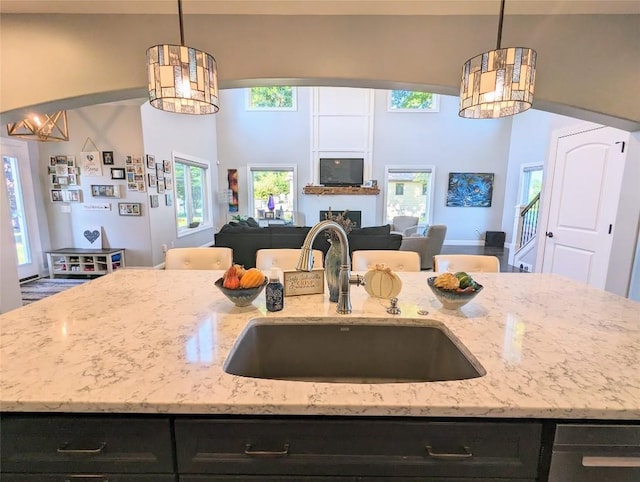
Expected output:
(358, 351)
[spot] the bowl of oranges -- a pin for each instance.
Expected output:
(242, 286)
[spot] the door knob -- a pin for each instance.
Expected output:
(549, 234)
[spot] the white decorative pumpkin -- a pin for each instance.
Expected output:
(381, 282)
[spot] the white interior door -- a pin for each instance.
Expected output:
(22, 208)
(587, 176)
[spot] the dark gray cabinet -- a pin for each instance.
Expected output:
(137, 448)
(364, 449)
(593, 453)
(114, 448)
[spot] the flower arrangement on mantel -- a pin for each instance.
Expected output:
(346, 223)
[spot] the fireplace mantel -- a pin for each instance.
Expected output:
(356, 190)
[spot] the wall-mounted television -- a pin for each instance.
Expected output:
(341, 171)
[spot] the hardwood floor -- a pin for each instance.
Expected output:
(501, 253)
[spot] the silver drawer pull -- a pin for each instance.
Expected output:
(64, 450)
(261, 453)
(74, 478)
(440, 456)
(589, 461)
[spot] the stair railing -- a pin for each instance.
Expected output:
(529, 220)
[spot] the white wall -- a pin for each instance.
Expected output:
(443, 139)
(584, 61)
(263, 137)
(114, 128)
(164, 134)
(451, 144)
(623, 249)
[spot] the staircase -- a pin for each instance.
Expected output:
(525, 229)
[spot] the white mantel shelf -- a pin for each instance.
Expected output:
(356, 190)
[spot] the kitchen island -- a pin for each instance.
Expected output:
(148, 342)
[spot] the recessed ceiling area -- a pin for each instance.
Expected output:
(323, 7)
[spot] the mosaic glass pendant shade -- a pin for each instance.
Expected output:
(42, 127)
(498, 83)
(182, 79)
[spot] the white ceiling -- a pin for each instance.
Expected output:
(324, 7)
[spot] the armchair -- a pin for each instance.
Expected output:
(426, 246)
(405, 225)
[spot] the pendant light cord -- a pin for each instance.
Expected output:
(499, 24)
(182, 30)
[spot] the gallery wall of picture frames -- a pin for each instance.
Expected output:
(137, 173)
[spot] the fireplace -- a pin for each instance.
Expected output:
(355, 216)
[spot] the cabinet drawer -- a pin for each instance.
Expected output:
(585, 453)
(369, 447)
(90, 444)
(87, 478)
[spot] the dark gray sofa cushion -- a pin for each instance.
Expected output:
(245, 240)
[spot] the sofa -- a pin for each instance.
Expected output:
(245, 239)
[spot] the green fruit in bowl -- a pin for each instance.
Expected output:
(465, 280)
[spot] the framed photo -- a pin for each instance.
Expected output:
(269, 215)
(107, 158)
(153, 199)
(153, 182)
(56, 195)
(160, 186)
(159, 171)
(118, 173)
(74, 195)
(368, 183)
(470, 189)
(151, 161)
(168, 183)
(73, 179)
(129, 209)
(166, 166)
(168, 200)
(105, 190)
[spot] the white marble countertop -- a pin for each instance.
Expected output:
(149, 341)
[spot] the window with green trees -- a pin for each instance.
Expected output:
(277, 183)
(271, 98)
(412, 101)
(192, 194)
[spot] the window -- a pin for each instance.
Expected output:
(531, 184)
(192, 194)
(412, 101)
(409, 193)
(271, 98)
(16, 209)
(277, 183)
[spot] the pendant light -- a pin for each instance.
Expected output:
(498, 83)
(182, 79)
(41, 127)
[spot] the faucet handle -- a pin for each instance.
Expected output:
(356, 279)
(393, 309)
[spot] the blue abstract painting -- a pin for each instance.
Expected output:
(470, 189)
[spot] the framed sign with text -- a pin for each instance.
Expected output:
(303, 282)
